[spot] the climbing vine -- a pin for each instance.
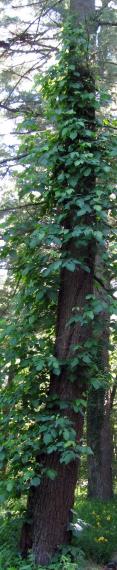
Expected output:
(66, 195)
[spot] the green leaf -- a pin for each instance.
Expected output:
(10, 485)
(66, 434)
(70, 265)
(73, 181)
(2, 498)
(51, 448)
(98, 235)
(65, 132)
(87, 172)
(106, 168)
(67, 457)
(61, 177)
(97, 207)
(86, 359)
(54, 364)
(35, 481)
(73, 135)
(90, 315)
(51, 473)
(96, 383)
(40, 365)
(47, 438)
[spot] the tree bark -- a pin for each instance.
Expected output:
(99, 432)
(82, 9)
(49, 505)
(100, 440)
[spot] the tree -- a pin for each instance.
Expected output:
(100, 402)
(99, 412)
(55, 498)
(100, 484)
(72, 216)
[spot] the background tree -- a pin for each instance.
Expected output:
(100, 402)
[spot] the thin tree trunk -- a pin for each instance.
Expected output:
(99, 432)
(100, 440)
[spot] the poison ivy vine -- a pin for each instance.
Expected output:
(68, 166)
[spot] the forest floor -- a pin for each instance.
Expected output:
(98, 540)
(92, 548)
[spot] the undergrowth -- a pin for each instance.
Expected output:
(99, 540)
(96, 542)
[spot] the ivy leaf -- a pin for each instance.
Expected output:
(87, 172)
(54, 364)
(40, 365)
(96, 383)
(47, 438)
(97, 207)
(98, 235)
(10, 485)
(35, 481)
(73, 135)
(86, 359)
(66, 434)
(51, 473)
(90, 315)
(106, 168)
(70, 265)
(67, 457)
(73, 181)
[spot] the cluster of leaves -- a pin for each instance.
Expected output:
(67, 166)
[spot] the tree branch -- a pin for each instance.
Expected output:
(107, 23)
(21, 207)
(12, 158)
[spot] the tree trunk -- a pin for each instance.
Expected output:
(82, 9)
(49, 504)
(99, 433)
(100, 441)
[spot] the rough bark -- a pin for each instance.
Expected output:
(100, 440)
(53, 506)
(99, 432)
(50, 504)
(83, 9)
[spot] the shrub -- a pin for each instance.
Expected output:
(99, 541)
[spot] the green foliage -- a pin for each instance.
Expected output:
(65, 191)
(99, 540)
